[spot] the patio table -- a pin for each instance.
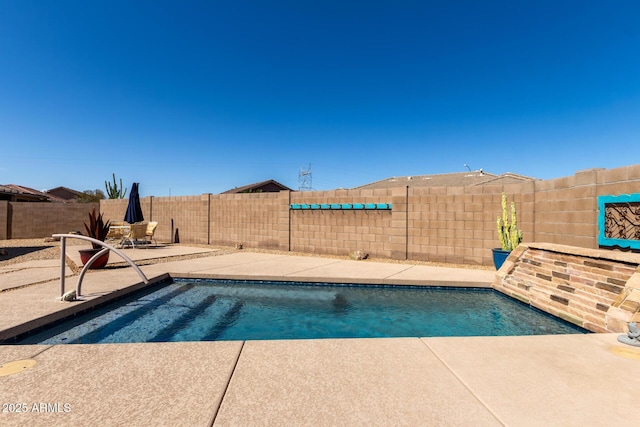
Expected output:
(124, 231)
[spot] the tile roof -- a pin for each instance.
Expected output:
(21, 193)
(455, 179)
(26, 194)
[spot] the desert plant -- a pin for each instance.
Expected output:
(97, 228)
(508, 233)
(113, 191)
(91, 196)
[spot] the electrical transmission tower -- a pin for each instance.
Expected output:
(304, 179)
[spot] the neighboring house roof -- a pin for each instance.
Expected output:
(17, 193)
(269, 186)
(7, 193)
(455, 179)
(65, 193)
(20, 193)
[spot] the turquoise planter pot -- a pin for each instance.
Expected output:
(499, 256)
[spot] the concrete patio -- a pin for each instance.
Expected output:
(475, 381)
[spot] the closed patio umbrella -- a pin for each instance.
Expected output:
(134, 211)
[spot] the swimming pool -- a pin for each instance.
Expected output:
(212, 310)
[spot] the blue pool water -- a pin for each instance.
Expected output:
(206, 310)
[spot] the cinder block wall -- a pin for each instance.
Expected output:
(340, 232)
(255, 220)
(458, 224)
(566, 209)
(182, 218)
(4, 219)
(39, 220)
(444, 224)
(114, 209)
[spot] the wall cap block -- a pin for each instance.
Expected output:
(607, 254)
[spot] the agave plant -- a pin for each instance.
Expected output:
(97, 228)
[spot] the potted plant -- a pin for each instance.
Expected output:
(98, 230)
(508, 234)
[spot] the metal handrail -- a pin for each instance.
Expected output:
(106, 248)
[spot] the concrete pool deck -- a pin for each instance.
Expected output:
(474, 381)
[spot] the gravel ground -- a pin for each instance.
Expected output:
(23, 250)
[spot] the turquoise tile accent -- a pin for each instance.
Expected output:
(341, 206)
(603, 201)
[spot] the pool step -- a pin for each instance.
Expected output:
(227, 320)
(102, 325)
(182, 322)
(148, 325)
(212, 321)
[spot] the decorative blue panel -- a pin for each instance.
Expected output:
(341, 206)
(619, 221)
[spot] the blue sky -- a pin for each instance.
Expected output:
(192, 97)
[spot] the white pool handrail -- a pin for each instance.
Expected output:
(105, 248)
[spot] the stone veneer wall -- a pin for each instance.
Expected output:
(598, 290)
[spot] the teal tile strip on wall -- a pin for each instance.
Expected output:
(342, 206)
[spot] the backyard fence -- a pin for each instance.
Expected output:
(441, 224)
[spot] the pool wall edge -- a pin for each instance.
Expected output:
(339, 280)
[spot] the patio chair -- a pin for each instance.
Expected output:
(151, 229)
(137, 233)
(116, 230)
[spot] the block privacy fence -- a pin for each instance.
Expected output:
(27, 220)
(441, 224)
